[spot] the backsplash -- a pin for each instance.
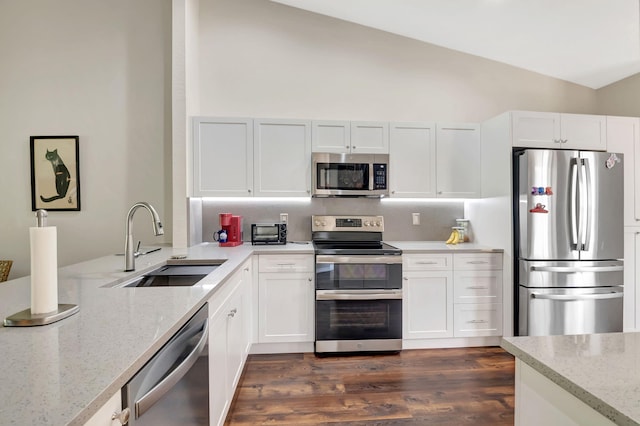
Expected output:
(436, 217)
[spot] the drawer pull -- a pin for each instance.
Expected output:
(285, 264)
(476, 321)
(477, 287)
(477, 262)
(426, 263)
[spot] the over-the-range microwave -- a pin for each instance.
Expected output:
(350, 175)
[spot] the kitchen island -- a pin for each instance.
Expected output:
(580, 379)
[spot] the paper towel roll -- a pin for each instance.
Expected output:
(44, 269)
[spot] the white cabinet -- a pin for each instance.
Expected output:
(631, 314)
(539, 401)
(282, 157)
(559, 131)
(477, 294)
(350, 137)
(286, 298)
(412, 157)
(222, 156)
(229, 335)
(623, 136)
(428, 296)
(458, 160)
(103, 417)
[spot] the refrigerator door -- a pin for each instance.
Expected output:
(546, 312)
(600, 205)
(570, 273)
(547, 210)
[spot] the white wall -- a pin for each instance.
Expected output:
(99, 70)
(258, 58)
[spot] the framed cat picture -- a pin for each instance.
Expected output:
(55, 173)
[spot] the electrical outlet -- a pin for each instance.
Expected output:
(284, 217)
(416, 218)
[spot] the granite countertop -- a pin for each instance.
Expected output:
(62, 373)
(441, 247)
(599, 369)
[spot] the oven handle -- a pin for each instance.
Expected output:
(358, 294)
(391, 259)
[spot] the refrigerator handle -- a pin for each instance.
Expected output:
(573, 203)
(572, 269)
(570, 297)
(585, 205)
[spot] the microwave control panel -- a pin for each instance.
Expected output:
(379, 176)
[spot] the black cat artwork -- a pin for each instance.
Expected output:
(62, 175)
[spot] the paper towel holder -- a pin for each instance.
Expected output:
(26, 318)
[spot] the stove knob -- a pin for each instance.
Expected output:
(366, 223)
(378, 223)
(324, 223)
(316, 223)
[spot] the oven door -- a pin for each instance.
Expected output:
(358, 320)
(358, 272)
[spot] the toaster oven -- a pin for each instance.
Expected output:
(268, 233)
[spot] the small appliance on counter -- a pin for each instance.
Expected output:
(268, 233)
(230, 233)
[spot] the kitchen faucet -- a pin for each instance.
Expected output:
(130, 264)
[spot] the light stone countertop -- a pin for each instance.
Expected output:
(62, 373)
(602, 370)
(441, 247)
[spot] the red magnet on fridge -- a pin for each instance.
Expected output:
(539, 208)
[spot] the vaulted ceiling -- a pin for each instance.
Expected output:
(588, 42)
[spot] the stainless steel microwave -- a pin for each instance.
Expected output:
(350, 175)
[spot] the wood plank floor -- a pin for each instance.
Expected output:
(420, 387)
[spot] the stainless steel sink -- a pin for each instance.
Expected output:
(172, 276)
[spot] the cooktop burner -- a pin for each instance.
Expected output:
(350, 235)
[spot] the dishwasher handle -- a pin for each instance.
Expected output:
(154, 394)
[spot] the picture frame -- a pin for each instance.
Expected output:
(55, 173)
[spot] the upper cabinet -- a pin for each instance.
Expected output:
(222, 157)
(559, 131)
(623, 136)
(412, 157)
(458, 160)
(282, 156)
(350, 137)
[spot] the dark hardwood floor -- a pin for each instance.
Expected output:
(420, 387)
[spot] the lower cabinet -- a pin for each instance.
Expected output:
(286, 298)
(105, 415)
(228, 342)
(539, 401)
(631, 313)
(452, 295)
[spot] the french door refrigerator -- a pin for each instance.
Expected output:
(568, 241)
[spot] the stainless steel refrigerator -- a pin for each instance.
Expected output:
(568, 241)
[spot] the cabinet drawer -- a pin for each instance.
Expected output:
(427, 262)
(286, 263)
(477, 261)
(481, 319)
(477, 286)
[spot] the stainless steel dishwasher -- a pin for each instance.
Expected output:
(173, 387)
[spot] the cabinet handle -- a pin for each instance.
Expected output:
(477, 287)
(564, 140)
(426, 263)
(477, 322)
(233, 312)
(557, 141)
(248, 190)
(309, 279)
(477, 262)
(122, 416)
(246, 269)
(285, 264)
(406, 279)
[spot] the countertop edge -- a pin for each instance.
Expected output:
(571, 387)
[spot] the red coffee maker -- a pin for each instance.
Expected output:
(232, 224)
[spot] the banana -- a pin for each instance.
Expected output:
(454, 238)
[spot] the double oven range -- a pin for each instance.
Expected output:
(358, 286)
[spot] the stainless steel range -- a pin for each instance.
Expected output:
(358, 286)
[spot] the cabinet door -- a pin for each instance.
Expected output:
(582, 131)
(458, 160)
(219, 398)
(103, 416)
(282, 158)
(236, 345)
(369, 137)
(631, 319)
(286, 307)
(536, 129)
(623, 137)
(412, 154)
(331, 136)
(222, 157)
(427, 304)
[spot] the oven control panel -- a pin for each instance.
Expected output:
(347, 223)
